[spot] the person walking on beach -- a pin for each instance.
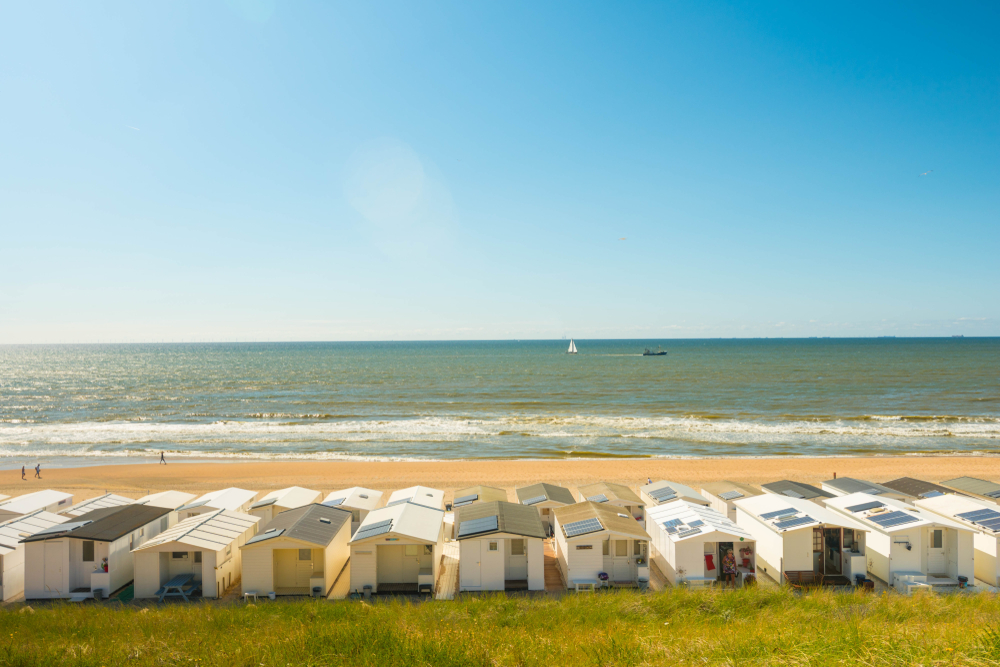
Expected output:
(162, 460)
(38, 470)
(22, 473)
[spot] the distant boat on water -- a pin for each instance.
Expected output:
(659, 352)
(572, 347)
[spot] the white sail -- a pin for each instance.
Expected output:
(572, 347)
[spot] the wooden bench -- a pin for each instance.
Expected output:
(803, 578)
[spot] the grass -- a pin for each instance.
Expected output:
(754, 626)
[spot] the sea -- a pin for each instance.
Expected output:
(96, 404)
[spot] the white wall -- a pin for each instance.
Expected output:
(770, 545)
(364, 570)
(584, 563)
(258, 570)
(12, 576)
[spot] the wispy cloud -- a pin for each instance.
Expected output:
(133, 128)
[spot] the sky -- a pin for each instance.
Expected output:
(222, 170)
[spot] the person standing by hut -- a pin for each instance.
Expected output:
(729, 568)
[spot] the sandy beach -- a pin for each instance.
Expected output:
(136, 480)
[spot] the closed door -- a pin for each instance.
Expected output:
(285, 563)
(936, 560)
(517, 565)
(390, 564)
(471, 563)
(621, 571)
(411, 562)
(54, 567)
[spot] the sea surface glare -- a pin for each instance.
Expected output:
(71, 405)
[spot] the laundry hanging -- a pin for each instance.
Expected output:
(709, 561)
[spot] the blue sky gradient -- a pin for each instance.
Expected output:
(347, 171)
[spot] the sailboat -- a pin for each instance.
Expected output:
(572, 347)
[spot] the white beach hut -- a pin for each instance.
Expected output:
(301, 552)
(801, 541)
(545, 498)
(688, 542)
(908, 547)
(418, 495)
(205, 546)
(721, 496)
(169, 499)
(398, 549)
(798, 490)
(500, 547)
(663, 491)
(47, 500)
(478, 494)
(980, 516)
(12, 532)
(96, 503)
(615, 495)
(282, 500)
(843, 486)
(231, 500)
(358, 500)
(67, 560)
(975, 487)
(593, 538)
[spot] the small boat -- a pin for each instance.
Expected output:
(659, 353)
(572, 347)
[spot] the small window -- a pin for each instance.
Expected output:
(848, 539)
(412, 549)
(142, 532)
(621, 548)
(197, 556)
(229, 549)
(305, 554)
(428, 549)
(636, 548)
(88, 552)
(179, 555)
(606, 547)
(584, 547)
(517, 547)
(494, 546)
(937, 539)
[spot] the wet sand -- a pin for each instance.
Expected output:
(135, 480)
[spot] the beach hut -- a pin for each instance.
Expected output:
(689, 540)
(908, 547)
(199, 553)
(663, 491)
(980, 516)
(96, 503)
(594, 538)
(545, 498)
(801, 541)
(358, 500)
(29, 503)
(418, 495)
(90, 553)
(231, 500)
(615, 495)
(845, 486)
(12, 532)
(280, 501)
(917, 488)
(398, 549)
(976, 488)
(790, 489)
(500, 547)
(169, 499)
(478, 494)
(721, 496)
(301, 552)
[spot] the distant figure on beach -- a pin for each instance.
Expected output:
(22, 473)
(649, 480)
(38, 470)
(162, 460)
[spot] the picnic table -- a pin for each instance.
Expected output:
(179, 585)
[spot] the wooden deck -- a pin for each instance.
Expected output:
(447, 583)
(553, 575)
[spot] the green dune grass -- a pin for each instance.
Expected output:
(748, 627)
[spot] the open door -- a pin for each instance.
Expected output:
(833, 555)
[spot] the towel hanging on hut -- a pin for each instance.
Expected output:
(709, 562)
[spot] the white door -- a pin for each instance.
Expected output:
(936, 560)
(472, 563)
(620, 565)
(390, 564)
(54, 567)
(517, 566)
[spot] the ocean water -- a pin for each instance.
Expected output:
(67, 405)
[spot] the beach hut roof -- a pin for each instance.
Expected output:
(32, 502)
(785, 513)
(608, 518)
(169, 499)
(851, 485)
(313, 524)
(419, 495)
(479, 494)
(103, 525)
(15, 530)
(211, 531)
(536, 493)
(356, 497)
(916, 488)
(96, 503)
(290, 498)
(609, 491)
(498, 516)
(728, 490)
(973, 513)
(681, 521)
(979, 487)
(3, 497)
(887, 515)
(664, 491)
(230, 499)
(409, 519)
(787, 487)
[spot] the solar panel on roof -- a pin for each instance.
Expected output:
(266, 535)
(374, 529)
(335, 502)
(931, 494)
(476, 526)
(466, 500)
(865, 506)
(979, 515)
(697, 523)
(662, 492)
(992, 524)
(670, 529)
(582, 527)
(791, 523)
(62, 528)
(690, 532)
(398, 502)
(776, 513)
(599, 498)
(673, 522)
(792, 494)
(533, 501)
(730, 495)
(893, 519)
(993, 494)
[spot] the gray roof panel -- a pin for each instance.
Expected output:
(315, 524)
(551, 492)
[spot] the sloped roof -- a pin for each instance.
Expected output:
(15, 530)
(408, 519)
(231, 499)
(979, 487)
(608, 515)
(712, 521)
(169, 499)
(356, 497)
(851, 485)
(807, 491)
(766, 503)
(950, 505)
(106, 524)
(512, 518)
(486, 493)
(683, 492)
(419, 495)
(290, 498)
(315, 524)
(915, 487)
(32, 502)
(211, 531)
(612, 491)
(716, 488)
(888, 505)
(551, 492)
(96, 503)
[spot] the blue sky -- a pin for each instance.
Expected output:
(395, 170)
